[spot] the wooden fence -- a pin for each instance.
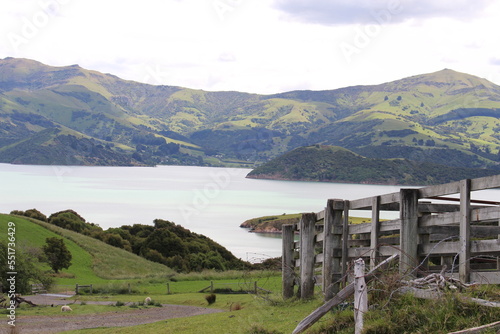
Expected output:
(433, 230)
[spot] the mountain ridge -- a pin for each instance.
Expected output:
(445, 117)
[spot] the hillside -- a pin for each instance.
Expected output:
(336, 164)
(93, 260)
(71, 115)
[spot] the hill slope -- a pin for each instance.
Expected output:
(93, 260)
(336, 164)
(444, 117)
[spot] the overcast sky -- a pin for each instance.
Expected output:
(257, 46)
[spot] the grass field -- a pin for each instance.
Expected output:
(245, 313)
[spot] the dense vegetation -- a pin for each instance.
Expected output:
(73, 116)
(164, 242)
(335, 164)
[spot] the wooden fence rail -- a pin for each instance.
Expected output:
(463, 236)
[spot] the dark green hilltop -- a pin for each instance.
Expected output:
(73, 116)
(336, 164)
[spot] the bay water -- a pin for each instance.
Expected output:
(205, 200)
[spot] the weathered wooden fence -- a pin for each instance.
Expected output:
(428, 235)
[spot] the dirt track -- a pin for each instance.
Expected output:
(56, 324)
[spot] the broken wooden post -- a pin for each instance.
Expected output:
(464, 254)
(287, 261)
(307, 256)
(360, 295)
(339, 298)
(409, 230)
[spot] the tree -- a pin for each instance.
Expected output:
(27, 267)
(58, 256)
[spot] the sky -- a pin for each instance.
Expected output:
(257, 46)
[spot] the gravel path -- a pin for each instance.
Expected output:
(56, 324)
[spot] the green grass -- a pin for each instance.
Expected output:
(93, 260)
(31, 234)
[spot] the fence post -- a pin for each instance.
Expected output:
(360, 295)
(307, 255)
(90, 288)
(211, 286)
(76, 288)
(255, 287)
(328, 236)
(464, 255)
(287, 260)
(409, 230)
(168, 288)
(375, 231)
(345, 240)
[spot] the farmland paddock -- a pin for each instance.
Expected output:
(440, 229)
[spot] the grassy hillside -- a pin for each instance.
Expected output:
(93, 261)
(444, 117)
(336, 164)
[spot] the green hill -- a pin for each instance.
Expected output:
(336, 164)
(70, 115)
(93, 260)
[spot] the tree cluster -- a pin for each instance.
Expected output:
(164, 242)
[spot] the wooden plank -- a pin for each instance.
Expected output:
(479, 329)
(451, 248)
(476, 215)
(364, 252)
(287, 260)
(307, 224)
(441, 232)
(487, 182)
(437, 208)
(408, 234)
(464, 254)
(389, 202)
(339, 298)
(440, 190)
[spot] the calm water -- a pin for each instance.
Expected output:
(209, 201)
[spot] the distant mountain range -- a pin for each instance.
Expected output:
(70, 115)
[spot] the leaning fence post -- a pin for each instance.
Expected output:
(360, 295)
(307, 255)
(464, 254)
(287, 260)
(409, 230)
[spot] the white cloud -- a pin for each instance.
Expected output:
(389, 11)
